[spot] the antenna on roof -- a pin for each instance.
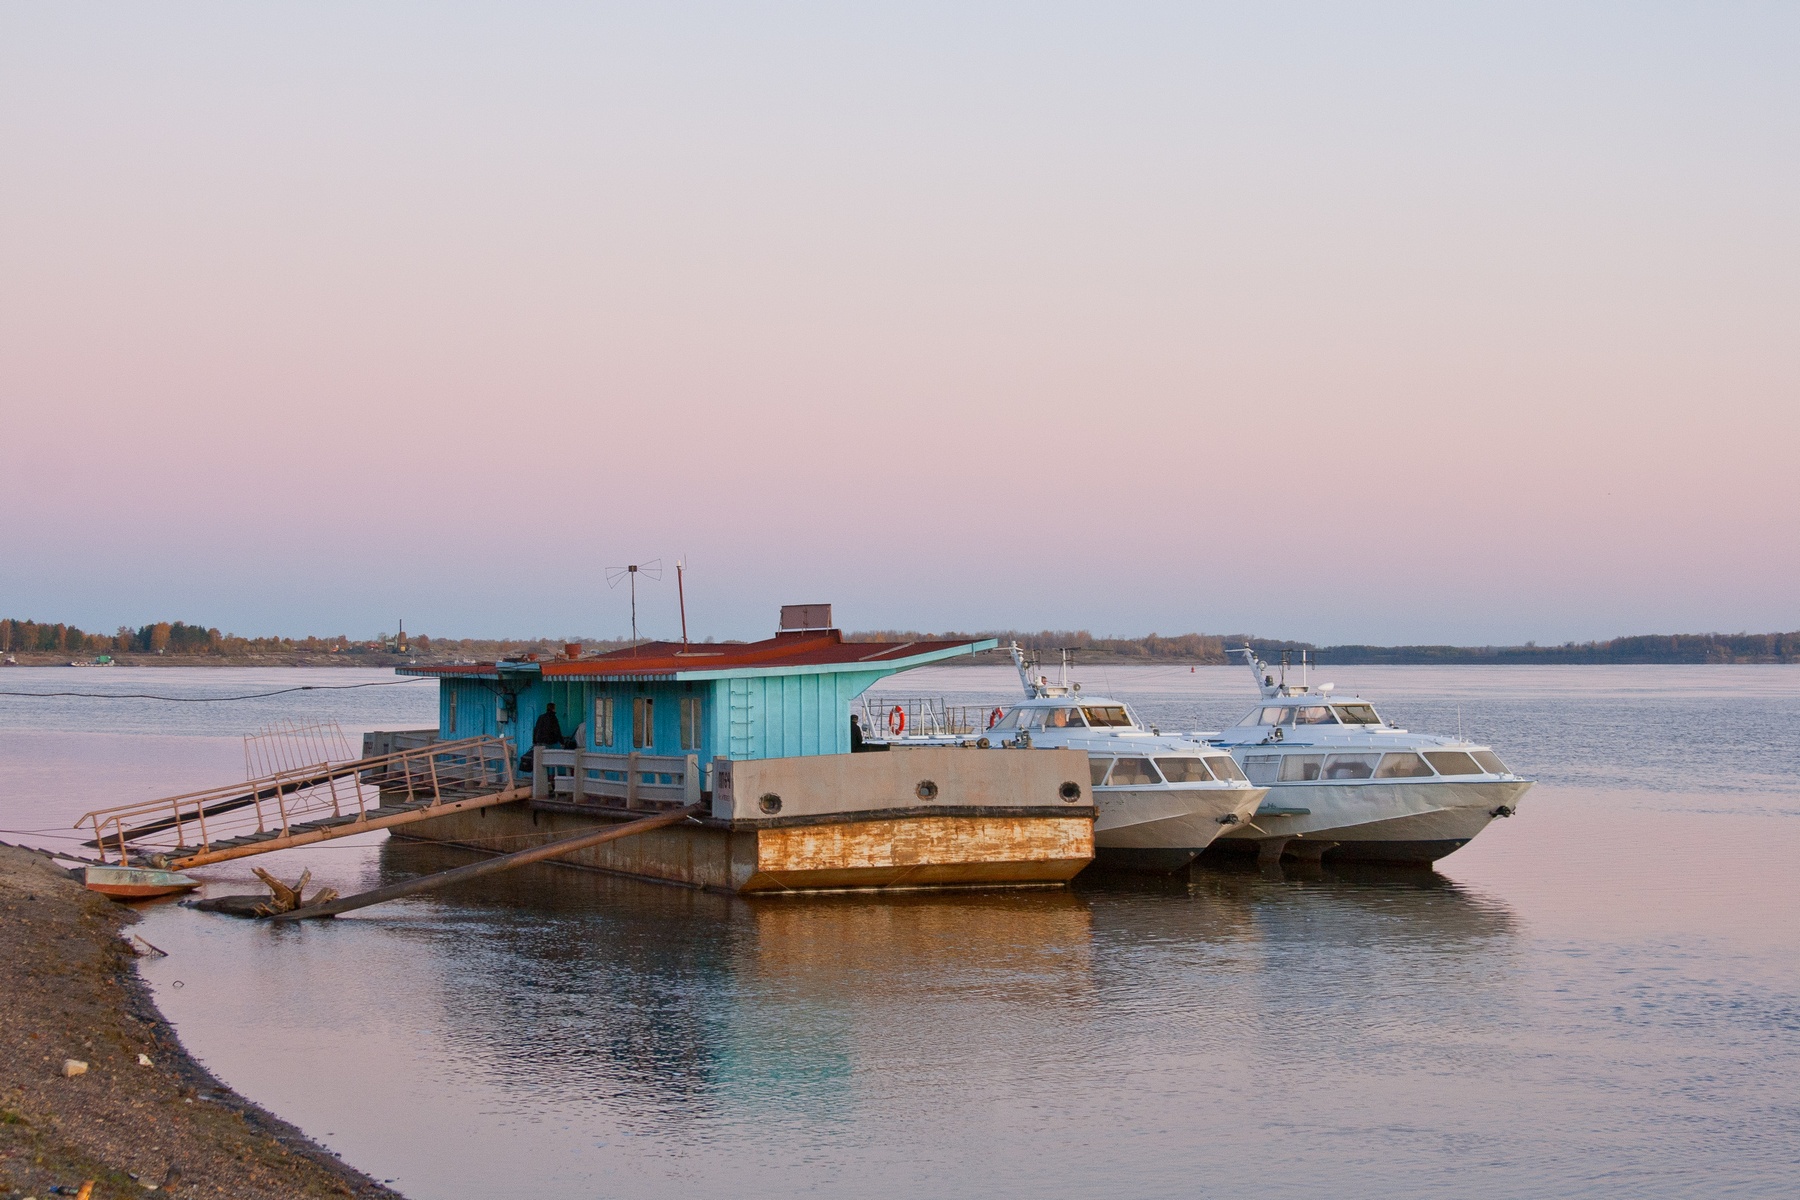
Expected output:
(681, 595)
(652, 569)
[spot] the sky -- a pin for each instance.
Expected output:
(1339, 322)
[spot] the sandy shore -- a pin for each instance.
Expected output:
(68, 990)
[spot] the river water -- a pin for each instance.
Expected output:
(1599, 997)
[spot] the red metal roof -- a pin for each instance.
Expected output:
(665, 659)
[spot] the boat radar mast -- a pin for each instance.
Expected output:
(1036, 686)
(1272, 684)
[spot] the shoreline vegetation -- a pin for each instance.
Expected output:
(176, 643)
(71, 994)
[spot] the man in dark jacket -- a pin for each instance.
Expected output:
(547, 731)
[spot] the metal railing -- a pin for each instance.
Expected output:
(276, 806)
(925, 716)
(635, 780)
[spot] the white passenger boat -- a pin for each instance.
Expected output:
(1346, 784)
(1160, 798)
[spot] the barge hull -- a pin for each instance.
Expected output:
(885, 852)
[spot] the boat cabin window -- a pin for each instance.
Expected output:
(1277, 715)
(1301, 768)
(1452, 762)
(1184, 770)
(1350, 766)
(1402, 766)
(1261, 768)
(1357, 714)
(1317, 714)
(1010, 720)
(1098, 767)
(1102, 716)
(1490, 762)
(1224, 768)
(1064, 718)
(1129, 772)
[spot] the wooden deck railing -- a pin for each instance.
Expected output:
(633, 780)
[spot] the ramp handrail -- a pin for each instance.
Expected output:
(275, 804)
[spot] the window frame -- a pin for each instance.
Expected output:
(693, 728)
(601, 730)
(1381, 768)
(1300, 763)
(643, 722)
(1349, 756)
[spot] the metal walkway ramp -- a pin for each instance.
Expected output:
(316, 803)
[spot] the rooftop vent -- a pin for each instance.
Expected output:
(805, 618)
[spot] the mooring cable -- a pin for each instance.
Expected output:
(307, 687)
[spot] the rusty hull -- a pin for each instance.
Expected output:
(936, 850)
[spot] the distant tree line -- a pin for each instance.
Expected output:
(176, 638)
(1645, 648)
(1201, 648)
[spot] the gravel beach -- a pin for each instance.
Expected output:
(69, 991)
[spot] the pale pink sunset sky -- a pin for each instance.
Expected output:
(1388, 323)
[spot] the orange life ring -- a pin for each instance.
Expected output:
(994, 717)
(897, 720)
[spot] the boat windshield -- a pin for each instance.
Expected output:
(1272, 715)
(1224, 768)
(1357, 714)
(1010, 720)
(1317, 714)
(1184, 770)
(1490, 762)
(1103, 716)
(1064, 718)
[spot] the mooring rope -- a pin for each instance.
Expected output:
(305, 687)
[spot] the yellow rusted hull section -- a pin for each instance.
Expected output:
(925, 851)
(945, 851)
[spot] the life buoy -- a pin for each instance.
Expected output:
(896, 720)
(994, 717)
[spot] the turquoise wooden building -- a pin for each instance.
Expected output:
(788, 696)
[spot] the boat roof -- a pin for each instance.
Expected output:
(813, 652)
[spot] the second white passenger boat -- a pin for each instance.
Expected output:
(1160, 799)
(1345, 784)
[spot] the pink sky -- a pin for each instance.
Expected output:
(1381, 325)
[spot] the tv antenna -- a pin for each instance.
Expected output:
(680, 566)
(651, 569)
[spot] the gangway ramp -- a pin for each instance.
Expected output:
(306, 804)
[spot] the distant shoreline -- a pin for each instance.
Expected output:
(1322, 660)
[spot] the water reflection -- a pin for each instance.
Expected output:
(573, 985)
(667, 1011)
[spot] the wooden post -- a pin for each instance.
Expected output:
(578, 789)
(690, 778)
(631, 780)
(540, 776)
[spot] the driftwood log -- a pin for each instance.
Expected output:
(281, 898)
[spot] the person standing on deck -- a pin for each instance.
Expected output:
(547, 732)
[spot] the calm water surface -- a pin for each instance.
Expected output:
(1600, 997)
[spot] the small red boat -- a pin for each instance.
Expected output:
(138, 883)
